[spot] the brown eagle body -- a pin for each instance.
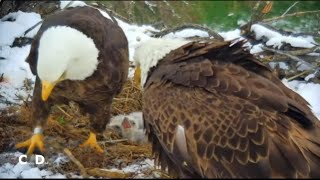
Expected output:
(95, 93)
(237, 118)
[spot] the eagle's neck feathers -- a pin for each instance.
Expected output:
(66, 51)
(150, 52)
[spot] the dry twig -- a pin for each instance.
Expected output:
(186, 26)
(290, 8)
(299, 74)
(64, 112)
(115, 141)
(298, 52)
(257, 15)
(107, 173)
(40, 22)
(290, 15)
(291, 57)
(32, 27)
(77, 162)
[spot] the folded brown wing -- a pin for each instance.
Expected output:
(239, 119)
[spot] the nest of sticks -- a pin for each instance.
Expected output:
(67, 128)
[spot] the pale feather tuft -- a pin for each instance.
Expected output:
(148, 53)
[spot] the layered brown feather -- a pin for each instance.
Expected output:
(240, 121)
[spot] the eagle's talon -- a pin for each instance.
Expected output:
(36, 141)
(92, 143)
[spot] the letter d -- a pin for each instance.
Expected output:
(37, 159)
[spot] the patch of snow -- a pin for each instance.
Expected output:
(15, 71)
(282, 65)
(310, 76)
(32, 173)
(22, 22)
(276, 39)
(61, 159)
(14, 63)
(231, 35)
(303, 66)
(63, 4)
(241, 22)
(309, 91)
(11, 168)
(59, 176)
(75, 176)
(256, 49)
(33, 32)
(13, 67)
(135, 35)
(185, 33)
(138, 168)
(314, 54)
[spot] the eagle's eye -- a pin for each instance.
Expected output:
(117, 128)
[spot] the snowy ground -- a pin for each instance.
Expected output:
(16, 71)
(11, 168)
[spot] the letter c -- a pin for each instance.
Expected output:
(20, 159)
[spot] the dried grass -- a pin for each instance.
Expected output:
(129, 100)
(67, 128)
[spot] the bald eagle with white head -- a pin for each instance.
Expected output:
(77, 55)
(212, 110)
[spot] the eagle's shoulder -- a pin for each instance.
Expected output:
(226, 67)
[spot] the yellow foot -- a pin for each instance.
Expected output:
(92, 143)
(35, 141)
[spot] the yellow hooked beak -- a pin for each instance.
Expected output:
(47, 87)
(137, 76)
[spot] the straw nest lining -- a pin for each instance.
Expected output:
(129, 100)
(67, 128)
